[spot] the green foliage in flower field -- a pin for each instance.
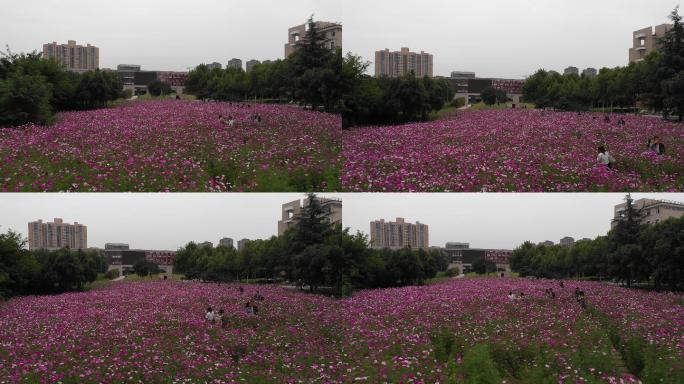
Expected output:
(459, 331)
(478, 367)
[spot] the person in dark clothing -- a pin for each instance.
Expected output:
(655, 145)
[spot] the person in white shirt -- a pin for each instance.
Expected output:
(210, 316)
(605, 158)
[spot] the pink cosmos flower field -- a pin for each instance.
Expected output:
(174, 146)
(156, 332)
(513, 151)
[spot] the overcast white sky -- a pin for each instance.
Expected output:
(168, 221)
(498, 38)
(502, 38)
(161, 34)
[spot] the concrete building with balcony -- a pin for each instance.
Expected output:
(567, 241)
(251, 64)
(127, 72)
(207, 244)
(652, 211)
(73, 57)
(645, 41)
(135, 79)
(463, 257)
(459, 81)
(297, 35)
(292, 212)
(120, 256)
(234, 63)
(470, 87)
(399, 63)
(399, 234)
(547, 243)
(226, 242)
(57, 235)
(214, 65)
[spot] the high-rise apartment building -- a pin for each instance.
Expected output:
(226, 242)
(73, 57)
(590, 72)
(571, 71)
(234, 63)
(292, 212)
(652, 211)
(403, 62)
(57, 235)
(214, 65)
(398, 234)
(645, 41)
(251, 64)
(242, 243)
(567, 241)
(297, 35)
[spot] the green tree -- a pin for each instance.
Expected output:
(158, 88)
(96, 88)
(24, 99)
(670, 65)
(18, 270)
(626, 256)
(483, 266)
(146, 267)
(491, 96)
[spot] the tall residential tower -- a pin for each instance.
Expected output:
(403, 62)
(399, 234)
(57, 235)
(73, 57)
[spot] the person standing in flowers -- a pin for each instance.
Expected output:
(655, 145)
(224, 319)
(248, 308)
(605, 158)
(210, 316)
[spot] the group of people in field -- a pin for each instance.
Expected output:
(604, 157)
(220, 317)
(550, 294)
(231, 121)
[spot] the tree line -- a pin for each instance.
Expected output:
(315, 254)
(36, 272)
(32, 89)
(370, 100)
(629, 253)
(310, 76)
(657, 82)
